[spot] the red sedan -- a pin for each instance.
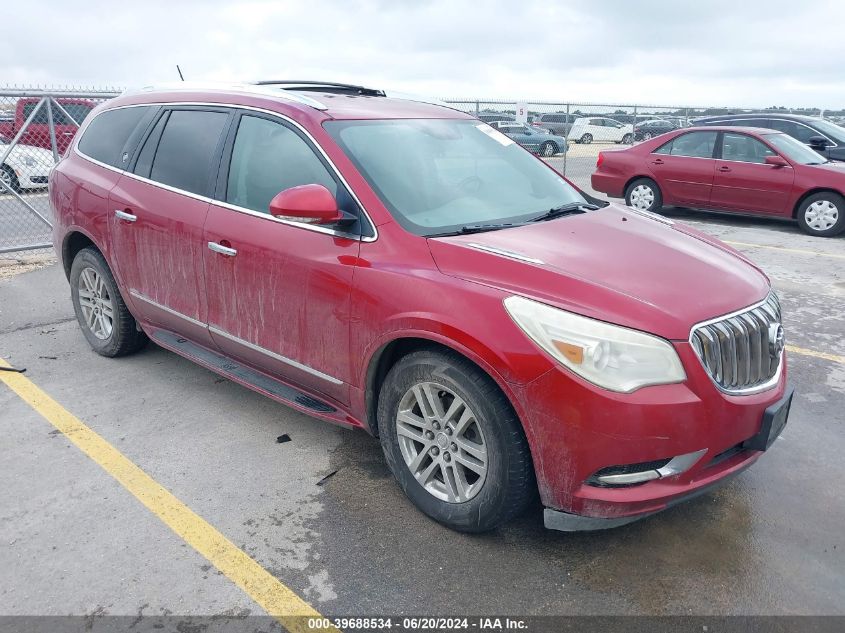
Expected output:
(736, 169)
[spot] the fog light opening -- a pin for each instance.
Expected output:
(634, 474)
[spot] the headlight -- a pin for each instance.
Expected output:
(610, 356)
(29, 161)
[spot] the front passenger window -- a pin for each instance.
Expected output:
(267, 158)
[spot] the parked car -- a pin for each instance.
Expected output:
(588, 129)
(38, 132)
(489, 117)
(744, 170)
(652, 127)
(826, 138)
(536, 140)
(24, 168)
(557, 122)
(397, 267)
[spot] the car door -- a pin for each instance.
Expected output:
(159, 210)
(744, 182)
(683, 168)
(279, 291)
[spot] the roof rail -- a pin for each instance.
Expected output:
(322, 86)
(254, 88)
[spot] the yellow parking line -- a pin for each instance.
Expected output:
(787, 250)
(810, 352)
(265, 589)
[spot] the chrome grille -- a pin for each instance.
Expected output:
(741, 351)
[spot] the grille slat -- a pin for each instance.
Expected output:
(737, 351)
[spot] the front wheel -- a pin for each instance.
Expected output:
(822, 214)
(453, 442)
(644, 195)
(586, 139)
(9, 180)
(548, 149)
(102, 314)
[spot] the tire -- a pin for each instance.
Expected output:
(490, 427)
(642, 191)
(586, 139)
(9, 179)
(822, 214)
(627, 139)
(548, 149)
(100, 310)
(647, 136)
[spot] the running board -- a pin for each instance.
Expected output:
(249, 377)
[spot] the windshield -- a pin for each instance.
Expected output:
(795, 150)
(829, 129)
(438, 175)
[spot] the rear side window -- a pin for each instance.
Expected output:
(185, 150)
(106, 135)
(267, 158)
(691, 145)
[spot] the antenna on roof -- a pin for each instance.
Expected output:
(179, 70)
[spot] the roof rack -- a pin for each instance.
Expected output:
(322, 86)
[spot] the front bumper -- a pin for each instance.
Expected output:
(576, 430)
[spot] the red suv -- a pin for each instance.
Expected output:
(403, 268)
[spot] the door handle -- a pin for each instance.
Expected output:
(659, 161)
(123, 215)
(67, 133)
(223, 250)
(724, 168)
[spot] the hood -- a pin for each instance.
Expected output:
(612, 264)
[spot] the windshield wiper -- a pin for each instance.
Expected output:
(478, 228)
(566, 209)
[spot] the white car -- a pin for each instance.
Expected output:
(26, 167)
(588, 129)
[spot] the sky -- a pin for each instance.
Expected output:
(741, 53)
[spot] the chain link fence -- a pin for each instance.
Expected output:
(36, 127)
(571, 135)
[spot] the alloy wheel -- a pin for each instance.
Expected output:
(6, 179)
(642, 197)
(96, 303)
(441, 442)
(821, 215)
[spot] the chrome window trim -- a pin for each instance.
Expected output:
(266, 352)
(776, 118)
(223, 333)
(748, 390)
(301, 225)
(171, 311)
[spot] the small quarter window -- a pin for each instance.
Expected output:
(105, 136)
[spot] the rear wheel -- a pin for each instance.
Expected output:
(102, 314)
(453, 442)
(628, 139)
(9, 180)
(822, 214)
(644, 194)
(586, 139)
(548, 149)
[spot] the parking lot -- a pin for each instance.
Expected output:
(323, 518)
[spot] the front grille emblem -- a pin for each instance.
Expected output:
(776, 340)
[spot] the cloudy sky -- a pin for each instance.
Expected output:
(746, 53)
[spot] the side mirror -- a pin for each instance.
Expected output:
(311, 204)
(818, 141)
(776, 161)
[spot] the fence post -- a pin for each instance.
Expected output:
(51, 124)
(566, 153)
(477, 106)
(634, 127)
